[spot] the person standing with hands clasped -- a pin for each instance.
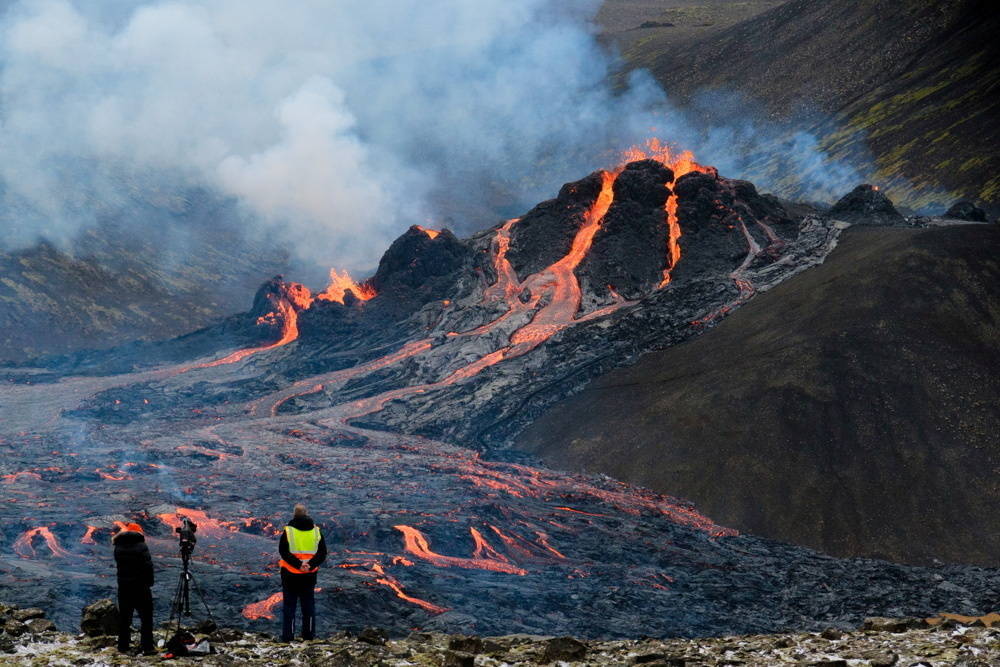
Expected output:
(302, 551)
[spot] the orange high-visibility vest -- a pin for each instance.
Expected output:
(303, 544)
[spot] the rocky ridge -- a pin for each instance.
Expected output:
(878, 642)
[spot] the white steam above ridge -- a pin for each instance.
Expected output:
(337, 123)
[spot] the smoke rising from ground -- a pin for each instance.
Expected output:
(336, 125)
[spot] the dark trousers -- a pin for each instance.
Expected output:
(135, 599)
(298, 588)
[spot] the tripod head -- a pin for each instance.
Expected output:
(186, 538)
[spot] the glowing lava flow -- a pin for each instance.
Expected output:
(416, 543)
(302, 387)
(340, 283)
(289, 319)
(558, 282)
(263, 609)
(681, 164)
(379, 576)
(24, 548)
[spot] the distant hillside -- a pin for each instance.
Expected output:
(852, 409)
(156, 273)
(916, 82)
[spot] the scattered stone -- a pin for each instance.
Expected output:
(27, 614)
(99, 619)
(14, 628)
(373, 636)
(832, 634)
(882, 659)
(458, 659)
(465, 644)
(882, 624)
(40, 625)
(564, 648)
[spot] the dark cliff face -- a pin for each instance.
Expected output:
(852, 409)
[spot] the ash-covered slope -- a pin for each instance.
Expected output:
(853, 409)
(332, 397)
(150, 271)
(912, 81)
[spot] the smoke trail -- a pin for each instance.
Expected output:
(335, 124)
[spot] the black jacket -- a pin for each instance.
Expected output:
(135, 566)
(301, 523)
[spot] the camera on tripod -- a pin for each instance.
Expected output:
(186, 537)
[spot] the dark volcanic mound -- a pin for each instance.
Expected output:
(853, 409)
(868, 205)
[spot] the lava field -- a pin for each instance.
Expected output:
(387, 405)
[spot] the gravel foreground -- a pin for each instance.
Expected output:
(27, 638)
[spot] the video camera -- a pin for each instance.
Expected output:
(186, 537)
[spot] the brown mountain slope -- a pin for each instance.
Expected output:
(915, 82)
(854, 409)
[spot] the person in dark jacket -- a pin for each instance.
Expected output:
(135, 583)
(303, 550)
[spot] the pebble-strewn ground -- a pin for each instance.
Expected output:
(880, 642)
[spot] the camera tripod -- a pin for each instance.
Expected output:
(181, 605)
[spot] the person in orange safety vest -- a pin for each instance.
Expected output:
(302, 551)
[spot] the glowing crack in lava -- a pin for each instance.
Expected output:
(340, 284)
(680, 163)
(375, 572)
(484, 557)
(24, 547)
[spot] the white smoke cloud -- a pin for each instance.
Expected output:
(337, 124)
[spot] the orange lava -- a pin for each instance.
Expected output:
(13, 477)
(289, 319)
(88, 537)
(263, 609)
(416, 543)
(24, 548)
(206, 526)
(433, 233)
(680, 163)
(340, 283)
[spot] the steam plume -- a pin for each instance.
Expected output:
(337, 124)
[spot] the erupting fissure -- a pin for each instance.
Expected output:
(680, 164)
(341, 283)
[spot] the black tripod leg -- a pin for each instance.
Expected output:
(201, 596)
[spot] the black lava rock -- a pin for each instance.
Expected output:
(868, 205)
(564, 648)
(712, 212)
(629, 251)
(99, 619)
(545, 233)
(966, 210)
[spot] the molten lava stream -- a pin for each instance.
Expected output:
(560, 279)
(679, 164)
(289, 332)
(24, 548)
(416, 543)
(265, 608)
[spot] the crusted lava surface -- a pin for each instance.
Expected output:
(386, 405)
